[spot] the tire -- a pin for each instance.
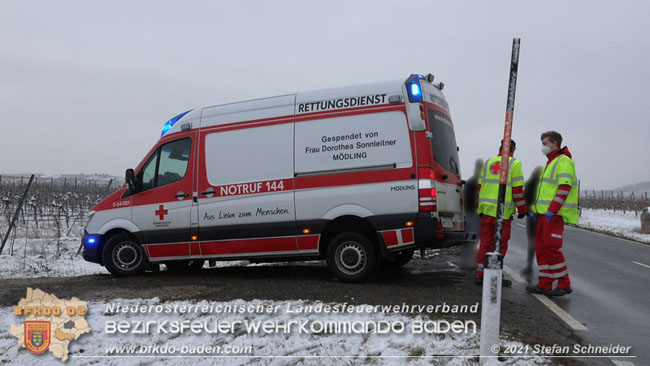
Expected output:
(123, 256)
(351, 257)
(192, 265)
(401, 258)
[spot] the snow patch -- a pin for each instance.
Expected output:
(627, 225)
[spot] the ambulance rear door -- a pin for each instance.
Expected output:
(446, 168)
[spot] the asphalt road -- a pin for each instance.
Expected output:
(611, 293)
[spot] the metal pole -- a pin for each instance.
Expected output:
(13, 220)
(507, 134)
(579, 205)
(493, 261)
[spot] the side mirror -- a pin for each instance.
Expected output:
(129, 177)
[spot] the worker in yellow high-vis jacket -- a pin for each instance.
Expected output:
(556, 203)
(487, 205)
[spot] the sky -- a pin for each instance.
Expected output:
(85, 87)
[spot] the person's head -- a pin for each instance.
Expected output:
(513, 146)
(551, 140)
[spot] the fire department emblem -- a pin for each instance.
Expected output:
(37, 336)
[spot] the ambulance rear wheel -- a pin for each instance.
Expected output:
(351, 257)
(123, 256)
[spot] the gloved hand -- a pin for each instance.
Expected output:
(549, 215)
(533, 217)
(521, 215)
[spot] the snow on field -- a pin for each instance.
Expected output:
(260, 348)
(33, 253)
(626, 225)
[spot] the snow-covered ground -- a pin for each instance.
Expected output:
(626, 225)
(33, 252)
(273, 348)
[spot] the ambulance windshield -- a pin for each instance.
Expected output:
(445, 151)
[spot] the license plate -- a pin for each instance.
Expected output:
(446, 222)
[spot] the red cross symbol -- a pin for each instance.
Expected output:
(161, 212)
(495, 168)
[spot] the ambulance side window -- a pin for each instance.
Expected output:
(174, 158)
(168, 164)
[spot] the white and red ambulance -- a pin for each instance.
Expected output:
(358, 176)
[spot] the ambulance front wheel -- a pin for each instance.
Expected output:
(351, 257)
(123, 256)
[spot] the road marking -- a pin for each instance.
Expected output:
(622, 363)
(518, 224)
(576, 325)
(641, 264)
(513, 274)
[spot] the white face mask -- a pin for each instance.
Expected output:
(546, 150)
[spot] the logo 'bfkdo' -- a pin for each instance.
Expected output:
(50, 323)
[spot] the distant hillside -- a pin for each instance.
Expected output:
(639, 187)
(59, 178)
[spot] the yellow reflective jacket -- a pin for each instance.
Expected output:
(560, 171)
(489, 181)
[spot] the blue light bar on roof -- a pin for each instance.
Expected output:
(413, 88)
(169, 124)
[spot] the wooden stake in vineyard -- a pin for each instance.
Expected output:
(20, 205)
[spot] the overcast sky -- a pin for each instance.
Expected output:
(87, 86)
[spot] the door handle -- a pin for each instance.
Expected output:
(209, 192)
(181, 195)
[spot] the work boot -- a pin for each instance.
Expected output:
(560, 291)
(534, 289)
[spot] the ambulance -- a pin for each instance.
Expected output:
(360, 176)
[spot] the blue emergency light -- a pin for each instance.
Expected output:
(169, 124)
(91, 240)
(413, 88)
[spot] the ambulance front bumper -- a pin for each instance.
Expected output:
(92, 247)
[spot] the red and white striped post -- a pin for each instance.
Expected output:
(493, 261)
